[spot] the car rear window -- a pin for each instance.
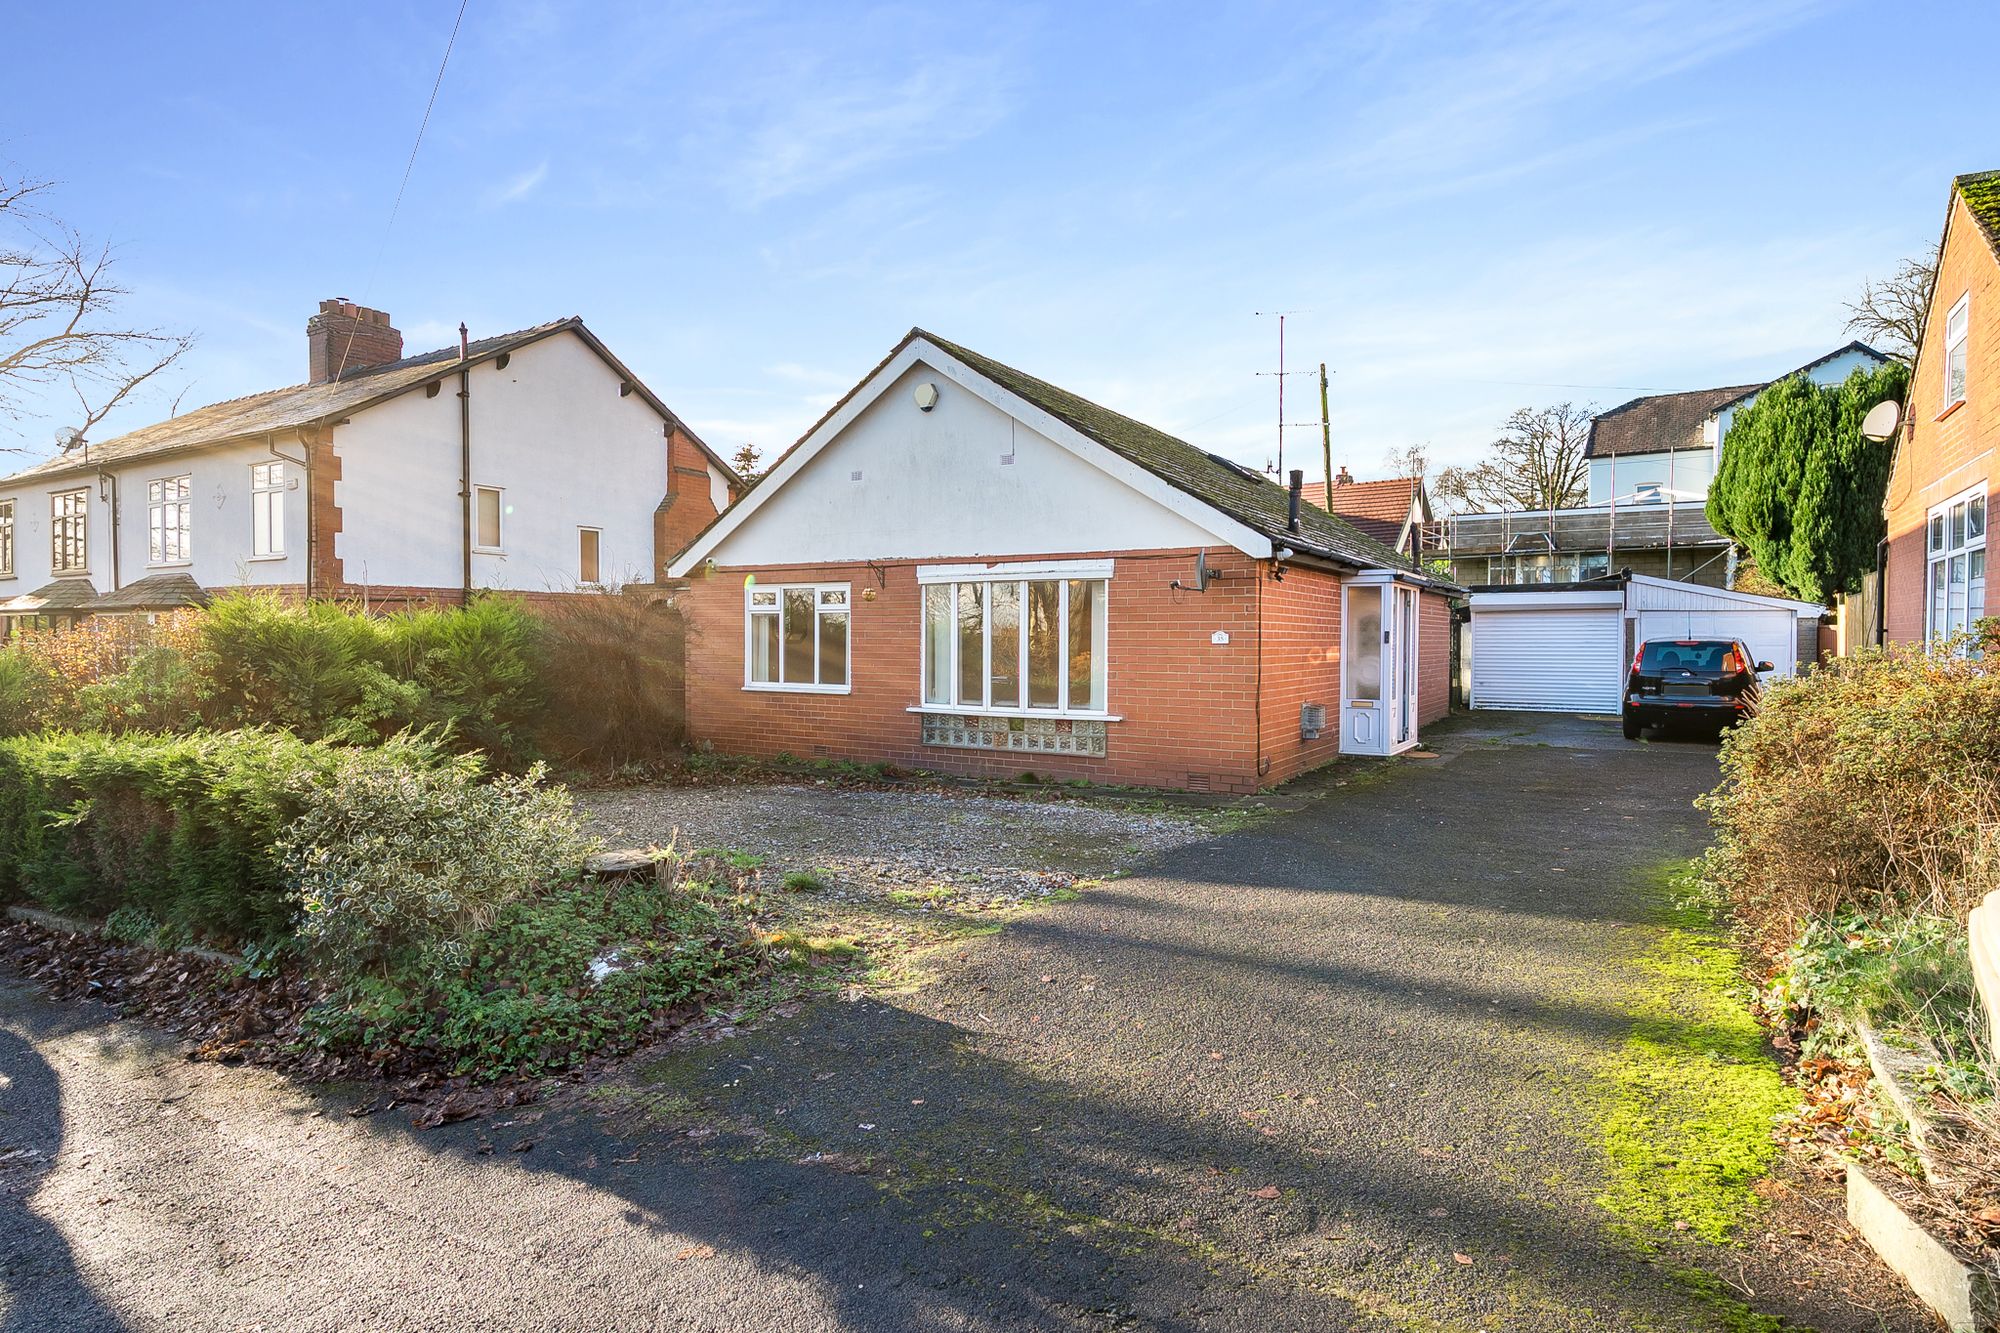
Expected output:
(1692, 655)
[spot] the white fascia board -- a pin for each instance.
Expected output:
(1750, 599)
(1546, 601)
(1000, 571)
(1245, 539)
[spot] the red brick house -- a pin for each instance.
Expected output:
(1940, 485)
(1393, 511)
(964, 568)
(534, 462)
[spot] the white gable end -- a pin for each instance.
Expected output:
(962, 480)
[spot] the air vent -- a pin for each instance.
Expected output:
(1312, 721)
(1198, 782)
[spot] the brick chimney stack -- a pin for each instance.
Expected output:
(1343, 477)
(344, 336)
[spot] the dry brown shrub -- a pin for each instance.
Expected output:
(614, 672)
(1870, 784)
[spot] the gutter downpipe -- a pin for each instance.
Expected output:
(1882, 592)
(108, 482)
(465, 455)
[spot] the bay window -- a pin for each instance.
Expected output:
(1005, 643)
(795, 637)
(1955, 564)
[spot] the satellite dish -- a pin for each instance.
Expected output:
(1882, 420)
(68, 438)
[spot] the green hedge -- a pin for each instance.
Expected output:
(180, 827)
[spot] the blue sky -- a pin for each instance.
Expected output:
(1475, 206)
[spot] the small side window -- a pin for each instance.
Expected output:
(1957, 336)
(588, 568)
(486, 510)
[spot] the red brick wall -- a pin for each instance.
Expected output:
(1188, 706)
(687, 507)
(1940, 454)
(1301, 665)
(1434, 634)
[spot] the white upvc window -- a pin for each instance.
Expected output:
(1957, 338)
(1030, 642)
(69, 532)
(167, 520)
(6, 539)
(267, 510)
(1955, 564)
(590, 556)
(795, 637)
(487, 507)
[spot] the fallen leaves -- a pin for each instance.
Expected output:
(1266, 1192)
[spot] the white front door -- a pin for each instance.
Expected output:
(1378, 666)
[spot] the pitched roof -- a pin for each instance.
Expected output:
(1378, 508)
(1661, 422)
(61, 595)
(302, 405)
(1881, 359)
(155, 592)
(1981, 192)
(1235, 490)
(1664, 421)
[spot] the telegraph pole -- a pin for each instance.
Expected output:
(1325, 436)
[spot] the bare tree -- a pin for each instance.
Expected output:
(1890, 313)
(1409, 460)
(1537, 463)
(59, 322)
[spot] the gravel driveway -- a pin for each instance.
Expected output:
(884, 839)
(1325, 1072)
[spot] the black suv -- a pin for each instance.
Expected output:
(1706, 681)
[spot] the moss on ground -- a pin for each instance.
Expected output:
(1689, 1101)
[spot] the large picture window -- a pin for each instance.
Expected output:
(796, 637)
(1955, 564)
(69, 532)
(1016, 645)
(167, 520)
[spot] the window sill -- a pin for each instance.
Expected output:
(489, 550)
(169, 564)
(266, 559)
(1948, 411)
(953, 710)
(760, 688)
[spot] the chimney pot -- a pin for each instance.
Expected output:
(344, 336)
(1343, 477)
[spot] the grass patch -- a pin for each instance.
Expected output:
(807, 881)
(1690, 1098)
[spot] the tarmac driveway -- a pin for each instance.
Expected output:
(1322, 1073)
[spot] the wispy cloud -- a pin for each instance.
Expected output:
(518, 187)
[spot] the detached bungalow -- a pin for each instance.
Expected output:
(965, 568)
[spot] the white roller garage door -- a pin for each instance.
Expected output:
(1565, 660)
(1772, 636)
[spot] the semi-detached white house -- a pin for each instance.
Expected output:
(534, 462)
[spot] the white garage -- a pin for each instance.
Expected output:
(1567, 649)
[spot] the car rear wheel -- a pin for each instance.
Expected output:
(1632, 727)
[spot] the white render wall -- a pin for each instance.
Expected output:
(550, 430)
(962, 480)
(1694, 469)
(219, 538)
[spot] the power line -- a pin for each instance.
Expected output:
(404, 184)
